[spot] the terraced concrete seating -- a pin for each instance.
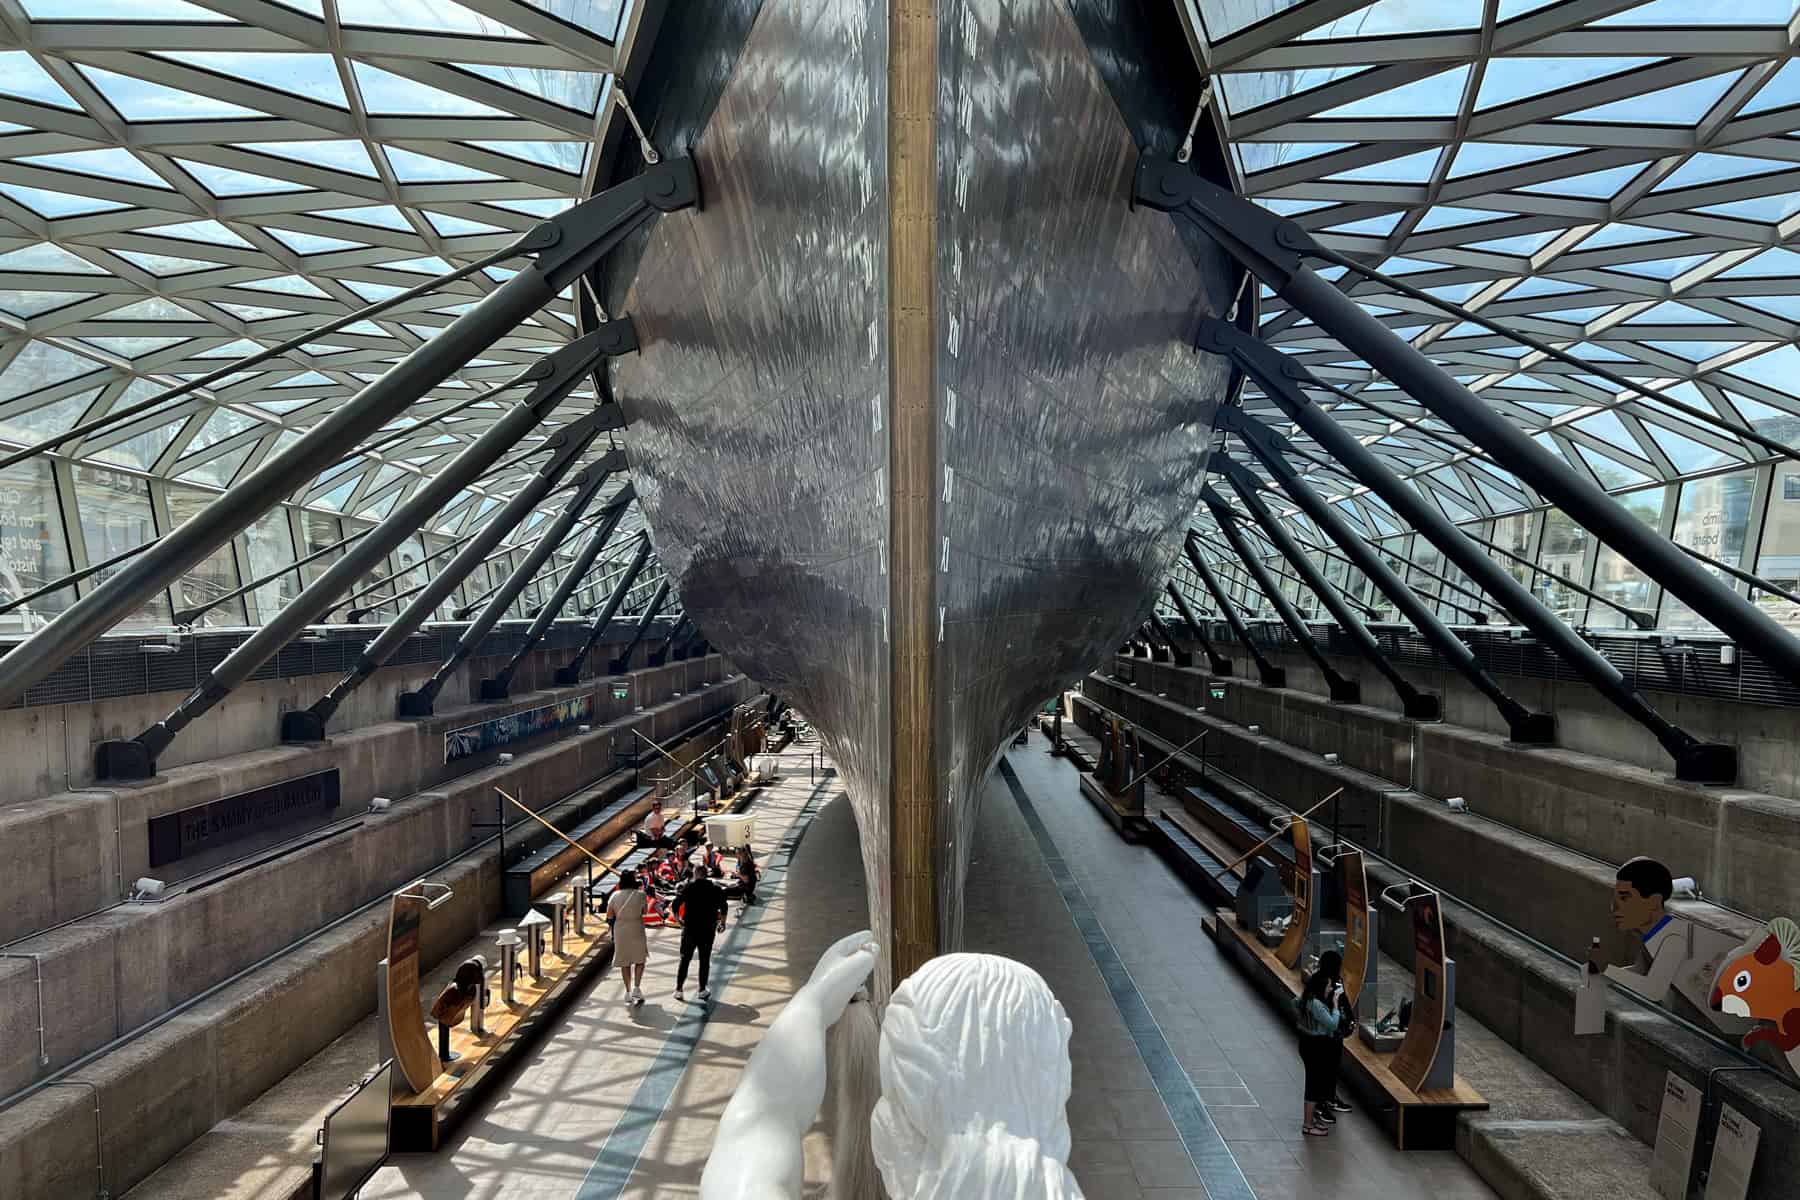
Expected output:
(1508, 977)
(108, 975)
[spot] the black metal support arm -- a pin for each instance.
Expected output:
(566, 368)
(566, 246)
(1273, 247)
(1270, 674)
(622, 662)
(1418, 705)
(660, 655)
(421, 702)
(1343, 689)
(1270, 448)
(566, 447)
(570, 672)
(1282, 379)
(499, 686)
(1179, 654)
(1216, 662)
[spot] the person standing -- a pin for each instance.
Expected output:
(631, 949)
(701, 904)
(1324, 1015)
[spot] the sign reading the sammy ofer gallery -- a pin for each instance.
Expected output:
(178, 835)
(516, 727)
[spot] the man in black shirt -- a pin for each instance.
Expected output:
(701, 903)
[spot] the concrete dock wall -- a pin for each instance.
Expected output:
(107, 974)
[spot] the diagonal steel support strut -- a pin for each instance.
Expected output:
(1343, 690)
(1270, 674)
(1274, 248)
(565, 247)
(1281, 378)
(570, 672)
(499, 686)
(1216, 662)
(1417, 705)
(1273, 451)
(567, 368)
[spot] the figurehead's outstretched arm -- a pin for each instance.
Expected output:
(756, 1153)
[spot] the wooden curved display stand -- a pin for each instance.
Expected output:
(406, 1023)
(1293, 944)
(1414, 1061)
(1358, 942)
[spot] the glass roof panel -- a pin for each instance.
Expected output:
(21, 76)
(142, 100)
(385, 92)
(1512, 79)
(312, 76)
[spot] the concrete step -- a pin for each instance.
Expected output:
(1543, 896)
(106, 977)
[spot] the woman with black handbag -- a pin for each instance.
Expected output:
(1325, 1015)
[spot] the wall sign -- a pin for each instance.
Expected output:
(178, 835)
(516, 727)
(1672, 1161)
(1733, 1156)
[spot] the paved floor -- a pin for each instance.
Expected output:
(1237, 1052)
(615, 1104)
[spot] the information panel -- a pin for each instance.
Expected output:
(406, 1022)
(1356, 924)
(1672, 1161)
(516, 727)
(241, 818)
(1293, 943)
(1733, 1156)
(1418, 1052)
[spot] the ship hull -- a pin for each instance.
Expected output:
(917, 424)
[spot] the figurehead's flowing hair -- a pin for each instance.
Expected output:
(974, 1083)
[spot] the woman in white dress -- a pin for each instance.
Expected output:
(630, 947)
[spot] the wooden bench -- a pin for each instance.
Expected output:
(530, 876)
(1415, 1120)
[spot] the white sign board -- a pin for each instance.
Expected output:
(1734, 1154)
(1590, 1003)
(1672, 1163)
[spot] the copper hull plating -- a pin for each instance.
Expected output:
(1068, 417)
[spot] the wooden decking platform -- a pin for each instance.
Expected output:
(422, 1119)
(1415, 1120)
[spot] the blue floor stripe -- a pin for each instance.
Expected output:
(618, 1157)
(1212, 1158)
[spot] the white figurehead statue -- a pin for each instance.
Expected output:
(974, 1080)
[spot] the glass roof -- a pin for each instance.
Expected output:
(1614, 179)
(185, 183)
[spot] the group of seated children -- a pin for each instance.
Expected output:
(669, 867)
